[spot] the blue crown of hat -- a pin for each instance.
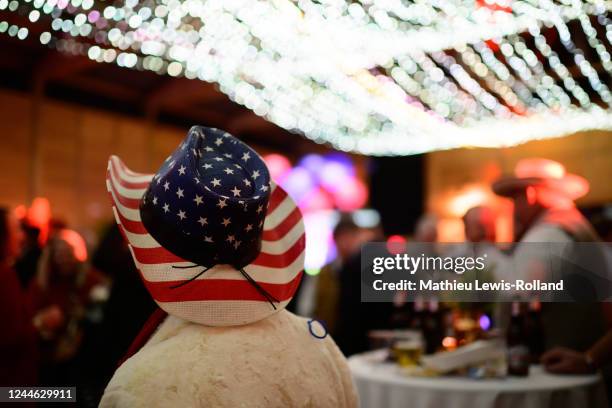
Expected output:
(208, 201)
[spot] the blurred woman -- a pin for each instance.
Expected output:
(18, 348)
(65, 281)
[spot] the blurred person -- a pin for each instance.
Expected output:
(65, 282)
(317, 295)
(129, 304)
(479, 231)
(543, 195)
(562, 360)
(479, 224)
(27, 263)
(128, 307)
(18, 348)
(425, 235)
(56, 225)
(357, 319)
(603, 225)
(544, 212)
(426, 229)
(19, 352)
(348, 238)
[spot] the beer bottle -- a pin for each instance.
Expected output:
(535, 331)
(432, 328)
(517, 348)
(418, 315)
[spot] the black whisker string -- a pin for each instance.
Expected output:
(189, 280)
(271, 299)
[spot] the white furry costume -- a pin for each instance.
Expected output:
(274, 362)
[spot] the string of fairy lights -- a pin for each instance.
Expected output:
(378, 77)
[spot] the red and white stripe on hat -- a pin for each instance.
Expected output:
(221, 296)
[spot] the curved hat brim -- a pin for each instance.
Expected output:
(572, 186)
(221, 296)
(510, 186)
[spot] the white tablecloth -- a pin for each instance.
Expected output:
(381, 385)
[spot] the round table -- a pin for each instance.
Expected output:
(381, 385)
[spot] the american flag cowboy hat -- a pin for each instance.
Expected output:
(215, 240)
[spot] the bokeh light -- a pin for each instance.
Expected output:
(375, 77)
(310, 184)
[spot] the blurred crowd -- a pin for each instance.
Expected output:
(68, 317)
(334, 294)
(573, 338)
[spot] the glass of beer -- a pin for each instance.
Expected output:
(407, 352)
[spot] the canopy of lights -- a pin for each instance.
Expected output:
(378, 77)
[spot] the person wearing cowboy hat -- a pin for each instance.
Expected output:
(220, 247)
(543, 194)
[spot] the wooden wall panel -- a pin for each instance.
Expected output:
(75, 144)
(457, 172)
(588, 154)
(14, 140)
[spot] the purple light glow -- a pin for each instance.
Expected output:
(485, 322)
(313, 163)
(298, 183)
(333, 175)
(343, 159)
(316, 200)
(93, 16)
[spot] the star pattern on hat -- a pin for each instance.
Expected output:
(214, 187)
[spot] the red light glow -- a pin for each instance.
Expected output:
(351, 194)
(39, 216)
(278, 165)
(541, 168)
(449, 343)
(396, 244)
(21, 212)
(77, 243)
